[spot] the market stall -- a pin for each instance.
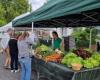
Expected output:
(79, 64)
(65, 13)
(55, 71)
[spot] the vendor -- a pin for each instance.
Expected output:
(56, 40)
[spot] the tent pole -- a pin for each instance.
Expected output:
(62, 31)
(32, 32)
(90, 38)
(56, 28)
(32, 26)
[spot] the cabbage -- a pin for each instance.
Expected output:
(94, 62)
(71, 55)
(71, 58)
(64, 61)
(87, 64)
(44, 48)
(90, 63)
(96, 56)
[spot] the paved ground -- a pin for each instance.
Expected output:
(6, 74)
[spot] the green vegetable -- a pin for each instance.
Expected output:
(44, 48)
(64, 61)
(94, 62)
(71, 58)
(90, 63)
(87, 64)
(96, 56)
(89, 50)
(70, 54)
(77, 60)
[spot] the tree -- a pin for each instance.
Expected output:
(2, 18)
(12, 8)
(82, 36)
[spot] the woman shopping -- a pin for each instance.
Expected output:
(24, 41)
(13, 48)
(4, 43)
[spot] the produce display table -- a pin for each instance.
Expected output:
(55, 71)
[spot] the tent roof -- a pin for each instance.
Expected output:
(57, 8)
(22, 15)
(6, 27)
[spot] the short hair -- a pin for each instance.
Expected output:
(54, 32)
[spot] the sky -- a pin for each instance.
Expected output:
(36, 4)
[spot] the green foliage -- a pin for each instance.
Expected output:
(87, 64)
(89, 50)
(96, 56)
(2, 18)
(94, 36)
(12, 8)
(44, 48)
(71, 58)
(98, 37)
(2, 21)
(18, 33)
(92, 62)
(83, 37)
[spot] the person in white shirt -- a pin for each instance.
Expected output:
(24, 42)
(4, 43)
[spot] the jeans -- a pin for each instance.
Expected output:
(25, 68)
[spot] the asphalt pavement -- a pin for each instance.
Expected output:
(5, 74)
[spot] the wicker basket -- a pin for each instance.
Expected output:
(76, 66)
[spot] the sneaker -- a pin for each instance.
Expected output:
(16, 71)
(12, 71)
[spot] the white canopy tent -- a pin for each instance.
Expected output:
(6, 27)
(9, 25)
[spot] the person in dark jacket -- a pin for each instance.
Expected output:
(13, 48)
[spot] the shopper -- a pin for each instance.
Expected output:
(4, 43)
(24, 42)
(13, 48)
(56, 40)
